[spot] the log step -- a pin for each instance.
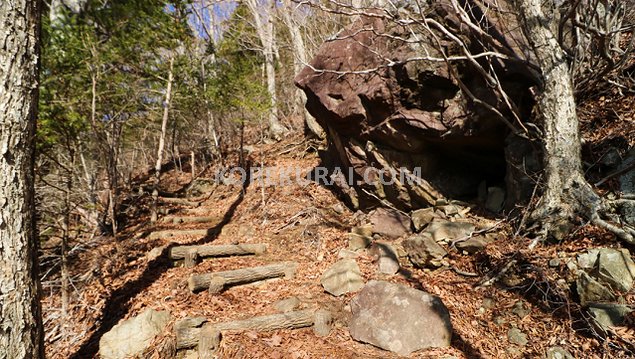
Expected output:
(179, 201)
(190, 219)
(191, 332)
(178, 233)
(192, 254)
(217, 281)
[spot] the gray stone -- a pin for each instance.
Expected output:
(390, 223)
(364, 231)
(520, 309)
(132, 336)
(287, 305)
(342, 277)
(200, 186)
(517, 337)
(558, 353)
(495, 199)
(357, 242)
(616, 268)
(554, 262)
(155, 253)
(450, 210)
(347, 254)
(424, 251)
(590, 290)
(388, 259)
(447, 231)
(422, 217)
(609, 315)
(488, 303)
(587, 260)
(398, 318)
(472, 245)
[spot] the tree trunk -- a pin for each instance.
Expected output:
(164, 127)
(21, 334)
(300, 60)
(265, 30)
(566, 192)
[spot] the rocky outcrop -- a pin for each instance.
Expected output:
(342, 277)
(386, 115)
(399, 318)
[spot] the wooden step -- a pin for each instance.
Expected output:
(215, 282)
(191, 332)
(192, 254)
(171, 233)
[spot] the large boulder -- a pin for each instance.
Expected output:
(403, 115)
(398, 318)
(132, 336)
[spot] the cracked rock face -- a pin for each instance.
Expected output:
(398, 318)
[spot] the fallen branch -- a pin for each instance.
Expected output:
(217, 281)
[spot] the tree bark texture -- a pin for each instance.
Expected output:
(566, 193)
(21, 334)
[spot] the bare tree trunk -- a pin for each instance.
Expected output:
(265, 30)
(566, 193)
(164, 127)
(21, 334)
(299, 61)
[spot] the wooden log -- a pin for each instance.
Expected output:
(322, 323)
(190, 331)
(221, 250)
(208, 342)
(198, 282)
(179, 201)
(191, 219)
(178, 233)
(191, 259)
(187, 331)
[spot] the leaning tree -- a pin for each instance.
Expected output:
(20, 315)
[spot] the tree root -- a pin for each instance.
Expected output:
(623, 231)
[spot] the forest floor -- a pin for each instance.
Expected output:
(114, 280)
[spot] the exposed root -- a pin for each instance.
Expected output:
(623, 231)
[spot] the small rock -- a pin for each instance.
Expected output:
(132, 336)
(609, 315)
(155, 253)
(389, 223)
(554, 262)
(520, 309)
(448, 231)
(424, 251)
(364, 231)
(287, 305)
(450, 210)
(394, 317)
(347, 254)
(616, 268)
(472, 245)
(590, 290)
(587, 260)
(488, 303)
(343, 277)
(498, 320)
(422, 217)
(357, 242)
(558, 353)
(495, 199)
(338, 208)
(388, 260)
(517, 337)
